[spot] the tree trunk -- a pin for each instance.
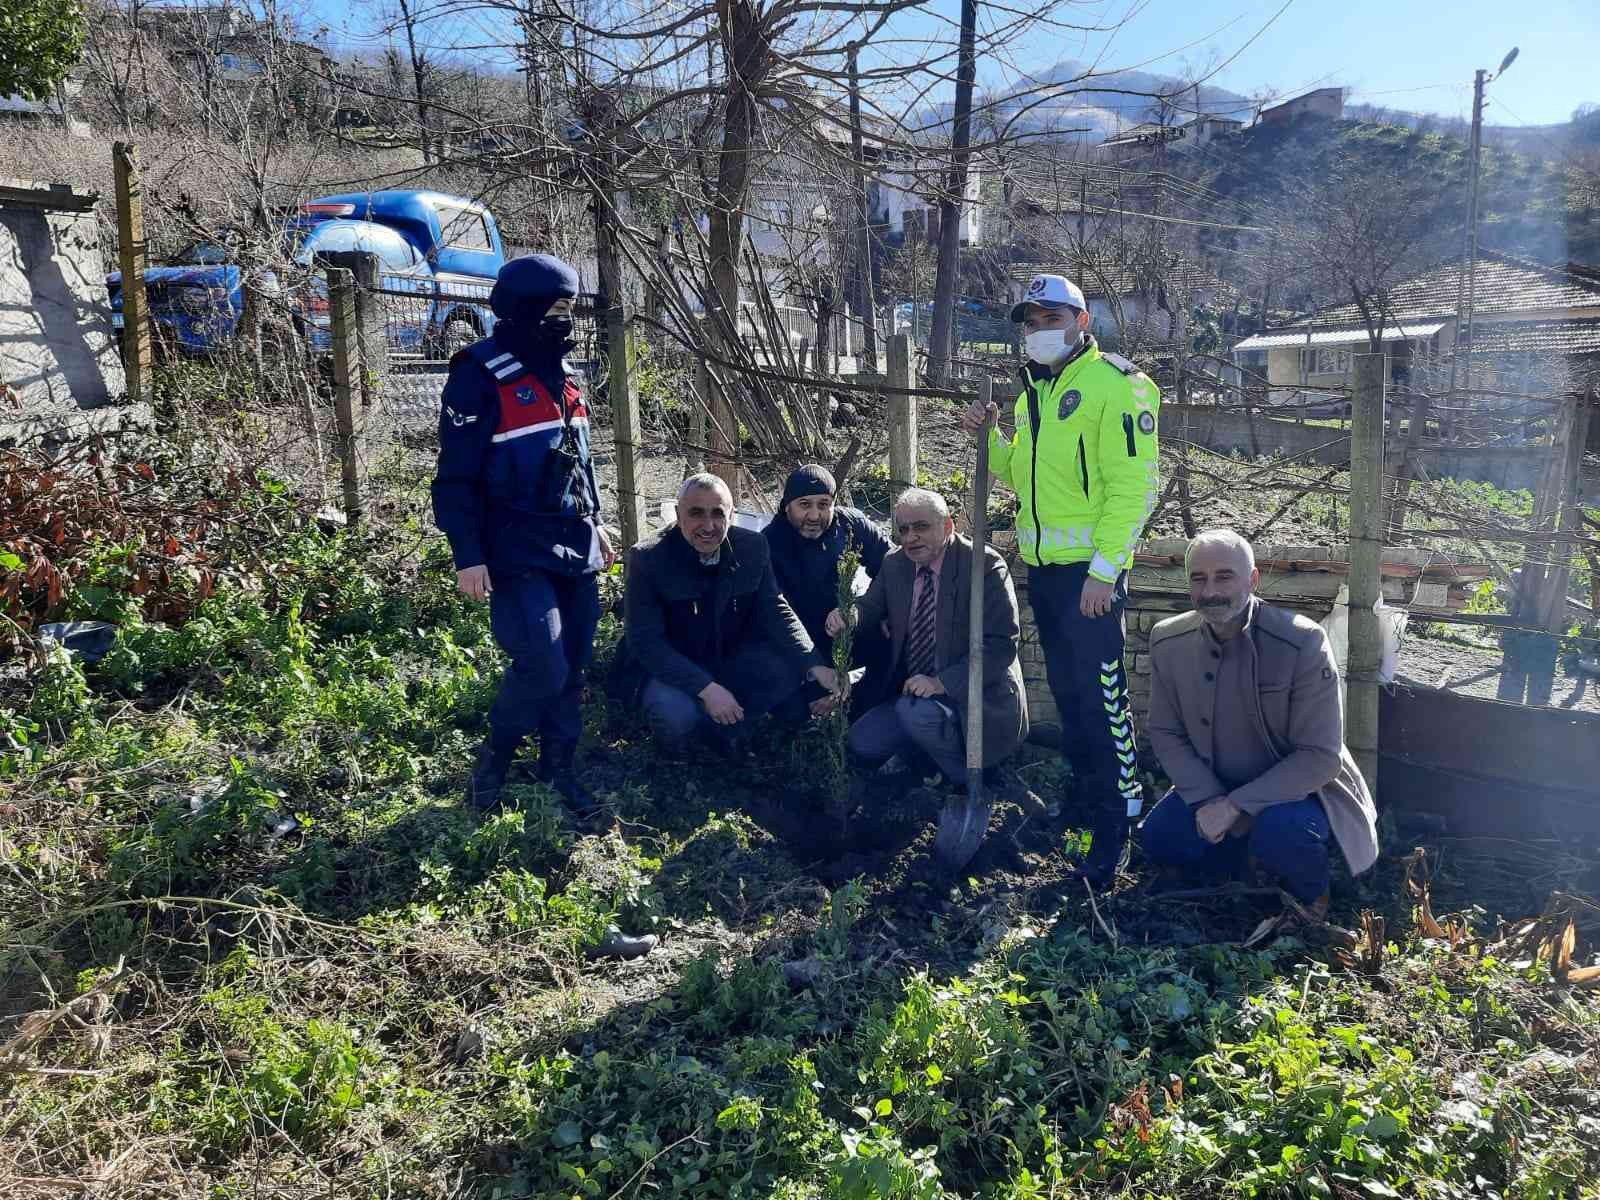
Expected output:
(748, 58)
(942, 339)
(419, 77)
(861, 241)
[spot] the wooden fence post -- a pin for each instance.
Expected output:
(371, 327)
(902, 408)
(1366, 554)
(1527, 673)
(346, 359)
(133, 255)
(625, 424)
(695, 460)
(723, 461)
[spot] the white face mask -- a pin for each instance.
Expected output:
(1049, 346)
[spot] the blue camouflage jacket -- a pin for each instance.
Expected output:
(515, 488)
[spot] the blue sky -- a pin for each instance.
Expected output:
(1403, 54)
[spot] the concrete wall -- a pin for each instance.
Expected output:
(57, 347)
(1510, 467)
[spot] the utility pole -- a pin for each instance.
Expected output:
(861, 290)
(1466, 290)
(941, 341)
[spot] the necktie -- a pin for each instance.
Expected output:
(919, 643)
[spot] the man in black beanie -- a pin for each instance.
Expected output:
(515, 495)
(808, 537)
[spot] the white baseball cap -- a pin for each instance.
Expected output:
(1050, 291)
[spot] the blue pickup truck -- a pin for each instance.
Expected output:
(439, 255)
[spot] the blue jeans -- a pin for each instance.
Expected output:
(1288, 839)
(760, 679)
(545, 624)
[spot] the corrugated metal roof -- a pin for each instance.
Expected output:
(1337, 337)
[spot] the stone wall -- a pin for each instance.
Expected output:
(1157, 590)
(58, 350)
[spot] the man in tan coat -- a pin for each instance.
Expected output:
(1246, 720)
(921, 596)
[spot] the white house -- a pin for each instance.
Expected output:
(1532, 322)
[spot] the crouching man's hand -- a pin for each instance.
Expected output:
(924, 687)
(721, 705)
(827, 677)
(1216, 817)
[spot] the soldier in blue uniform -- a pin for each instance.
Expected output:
(515, 495)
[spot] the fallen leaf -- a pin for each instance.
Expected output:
(1561, 950)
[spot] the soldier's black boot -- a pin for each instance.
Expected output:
(489, 776)
(557, 767)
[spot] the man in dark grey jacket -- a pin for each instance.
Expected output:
(923, 595)
(1246, 720)
(705, 621)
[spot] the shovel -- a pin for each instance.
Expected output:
(965, 820)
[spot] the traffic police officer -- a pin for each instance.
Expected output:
(1083, 464)
(515, 495)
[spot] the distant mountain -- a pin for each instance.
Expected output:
(1092, 109)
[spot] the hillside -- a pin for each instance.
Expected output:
(1547, 208)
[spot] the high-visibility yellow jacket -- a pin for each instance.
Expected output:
(1083, 463)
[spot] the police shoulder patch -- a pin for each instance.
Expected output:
(1147, 422)
(1121, 364)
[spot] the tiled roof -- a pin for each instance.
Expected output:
(1126, 280)
(1570, 338)
(1505, 284)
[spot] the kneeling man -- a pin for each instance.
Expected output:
(704, 619)
(922, 594)
(1246, 720)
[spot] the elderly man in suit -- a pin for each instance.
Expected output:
(1245, 718)
(921, 596)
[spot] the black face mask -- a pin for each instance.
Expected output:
(553, 331)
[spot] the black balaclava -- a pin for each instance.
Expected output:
(523, 293)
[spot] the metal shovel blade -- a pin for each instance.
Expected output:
(962, 827)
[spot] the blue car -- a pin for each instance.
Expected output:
(439, 255)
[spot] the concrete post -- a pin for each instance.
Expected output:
(132, 251)
(902, 418)
(1366, 554)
